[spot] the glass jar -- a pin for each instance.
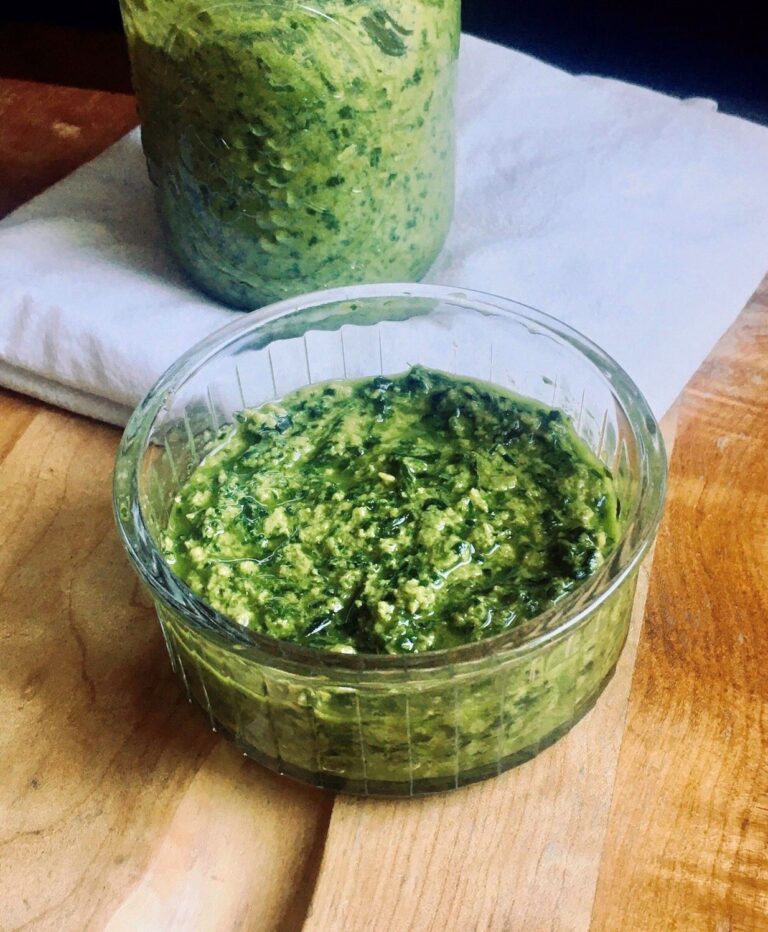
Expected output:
(392, 724)
(295, 146)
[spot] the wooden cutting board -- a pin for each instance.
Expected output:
(119, 810)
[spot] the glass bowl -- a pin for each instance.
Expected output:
(392, 725)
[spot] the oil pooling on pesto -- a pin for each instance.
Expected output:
(392, 515)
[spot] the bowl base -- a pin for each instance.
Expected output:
(425, 786)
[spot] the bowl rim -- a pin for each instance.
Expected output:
(575, 608)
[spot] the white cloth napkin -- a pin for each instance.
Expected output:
(640, 219)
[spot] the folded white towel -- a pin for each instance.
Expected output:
(640, 219)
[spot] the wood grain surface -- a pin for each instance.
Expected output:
(119, 810)
(47, 131)
(688, 836)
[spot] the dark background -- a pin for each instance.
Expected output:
(683, 48)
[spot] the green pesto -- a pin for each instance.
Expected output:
(392, 515)
(296, 146)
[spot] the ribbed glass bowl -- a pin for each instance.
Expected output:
(391, 725)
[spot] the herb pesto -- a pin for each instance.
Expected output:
(294, 146)
(392, 514)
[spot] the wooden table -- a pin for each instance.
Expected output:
(120, 810)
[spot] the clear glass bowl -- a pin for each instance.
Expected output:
(392, 725)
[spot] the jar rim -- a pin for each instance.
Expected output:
(569, 613)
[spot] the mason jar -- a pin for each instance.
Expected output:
(294, 146)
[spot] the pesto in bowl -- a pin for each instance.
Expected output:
(392, 515)
(410, 641)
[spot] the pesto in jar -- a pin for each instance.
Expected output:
(296, 146)
(392, 514)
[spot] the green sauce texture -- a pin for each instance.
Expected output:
(392, 514)
(296, 146)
